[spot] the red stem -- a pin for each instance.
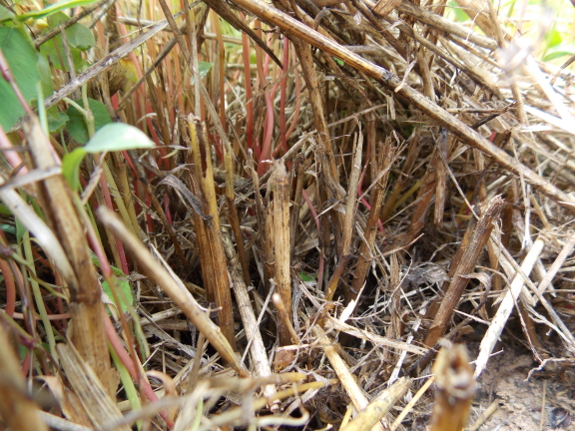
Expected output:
(249, 95)
(118, 347)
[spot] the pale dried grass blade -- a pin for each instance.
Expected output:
(363, 334)
(379, 406)
(505, 308)
(347, 380)
(259, 357)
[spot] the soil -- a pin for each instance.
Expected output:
(523, 398)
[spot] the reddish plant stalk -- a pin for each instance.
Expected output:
(249, 95)
(285, 62)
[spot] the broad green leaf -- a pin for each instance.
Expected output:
(111, 137)
(23, 61)
(56, 119)
(204, 67)
(54, 48)
(79, 36)
(117, 137)
(553, 38)
(560, 51)
(45, 76)
(5, 13)
(124, 294)
(77, 126)
(71, 167)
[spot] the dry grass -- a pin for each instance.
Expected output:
(348, 186)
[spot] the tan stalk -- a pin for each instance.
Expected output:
(404, 176)
(232, 210)
(17, 410)
(326, 152)
(349, 217)
(212, 255)
(479, 235)
(493, 255)
(260, 362)
(347, 379)
(440, 179)
(508, 302)
(455, 389)
(121, 170)
(382, 167)
(89, 389)
(383, 7)
(281, 248)
(423, 201)
(88, 335)
(379, 407)
(298, 172)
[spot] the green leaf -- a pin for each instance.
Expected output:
(5, 13)
(8, 228)
(56, 119)
(124, 294)
(116, 271)
(23, 61)
(71, 167)
(307, 277)
(203, 68)
(20, 231)
(560, 51)
(37, 14)
(80, 37)
(111, 137)
(4, 210)
(50, 50)
(117, 137)
(553, 38)
(77, 126)
(45, 76)
(557, 54)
